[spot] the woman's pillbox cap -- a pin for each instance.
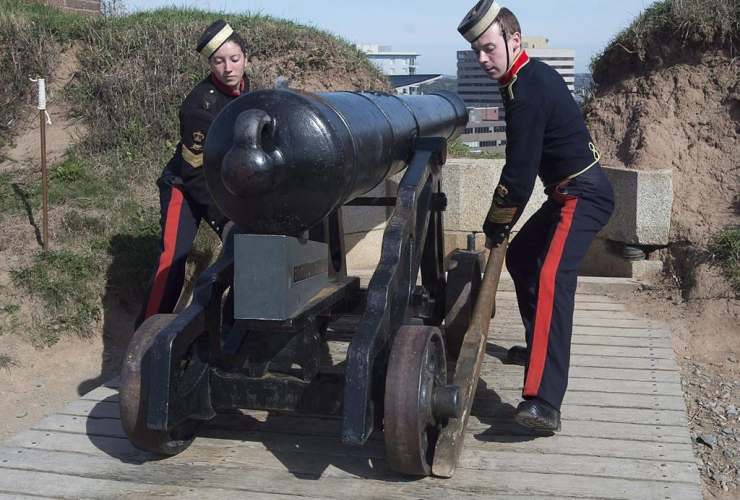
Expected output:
(213, 37)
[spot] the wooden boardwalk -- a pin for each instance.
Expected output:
(624, 436)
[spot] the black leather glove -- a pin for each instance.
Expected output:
(497, 233)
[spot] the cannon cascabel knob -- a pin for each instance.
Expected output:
(253, 167)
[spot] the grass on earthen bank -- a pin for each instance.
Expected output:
(726, 251)
(665, 28)
(5, 361)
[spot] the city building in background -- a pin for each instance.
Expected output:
(479, 91)
(410, 84)
(486, 130)
(399, 67)
(389, 62)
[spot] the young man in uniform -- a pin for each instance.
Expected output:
(183, 194)
(545, 136)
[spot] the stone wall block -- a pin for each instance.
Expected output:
(642, 213)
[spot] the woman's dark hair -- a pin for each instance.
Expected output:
(237, 38)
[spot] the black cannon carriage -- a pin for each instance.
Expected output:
(281, 165)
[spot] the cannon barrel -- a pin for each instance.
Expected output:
(279, 161)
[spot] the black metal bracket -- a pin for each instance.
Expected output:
(413, 240)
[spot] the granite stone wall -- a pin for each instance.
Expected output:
(642, 216)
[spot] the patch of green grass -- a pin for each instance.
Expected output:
(5, 361)
(75, 182)
(79, 317)
(11, 194)
(70, 170)
(10, 322)
(10, 309)
(81, 183)
(68, 284)
(726, 250)
(46, 336)
(81, 224)
(57, 276)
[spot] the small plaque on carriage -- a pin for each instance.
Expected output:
(275, 276)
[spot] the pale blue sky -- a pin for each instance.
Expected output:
(430, 27)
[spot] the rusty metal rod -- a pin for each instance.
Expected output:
(467, 370)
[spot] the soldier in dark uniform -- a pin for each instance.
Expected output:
(546, 136)
(183, 194)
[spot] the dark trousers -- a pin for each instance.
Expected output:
(543, 260)
(180, 217)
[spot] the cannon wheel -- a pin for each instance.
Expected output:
(134, 394)
(463, 286)
(416, 367)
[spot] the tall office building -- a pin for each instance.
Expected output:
(478, 90)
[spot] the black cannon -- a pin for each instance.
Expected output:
(281, 165)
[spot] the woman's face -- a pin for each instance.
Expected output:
(228, 63)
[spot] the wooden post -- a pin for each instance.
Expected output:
(469, 362)
(44, 190)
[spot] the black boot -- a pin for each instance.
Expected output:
(538, 414)
(517, 355)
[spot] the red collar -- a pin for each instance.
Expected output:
(519, 62)
(228, 90)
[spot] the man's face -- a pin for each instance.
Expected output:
(227, 63)
(490, 50)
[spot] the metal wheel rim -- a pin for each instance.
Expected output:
(416, 366)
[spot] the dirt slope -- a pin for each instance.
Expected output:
(684, 115)
(686, 118)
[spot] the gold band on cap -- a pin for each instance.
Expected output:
(216, 41)
(481, 26)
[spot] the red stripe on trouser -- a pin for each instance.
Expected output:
(165, 260)
(546, 298)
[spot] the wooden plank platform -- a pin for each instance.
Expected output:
(624, 435)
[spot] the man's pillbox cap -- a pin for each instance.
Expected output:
(478, 20)
(213, 37)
